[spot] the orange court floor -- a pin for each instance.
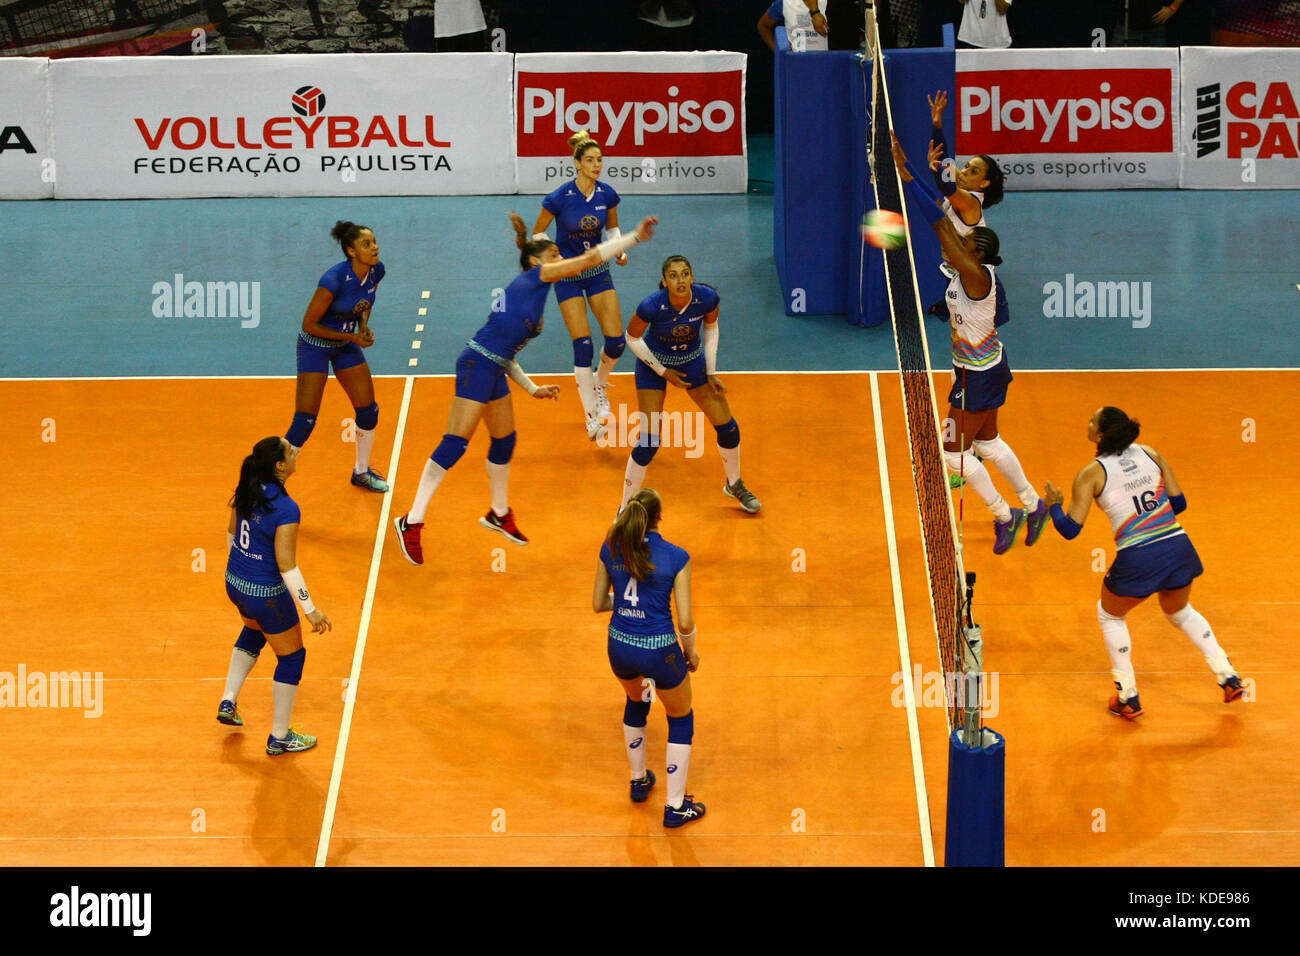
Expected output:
(484, 728)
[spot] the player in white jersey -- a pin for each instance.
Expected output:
(981, 372)
(967, 190)
(1137, 490)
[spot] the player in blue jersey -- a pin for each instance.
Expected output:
(582, 209)
(1135, 487)
(261, 574)
(674, 336)
(335, 329)
(482, 370)
(647, 574)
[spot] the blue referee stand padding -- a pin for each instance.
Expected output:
(976, 834)
(822, 184)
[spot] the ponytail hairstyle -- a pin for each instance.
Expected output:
(669, 261)
(528, 247)
(626, 538)
(580, 142)
(987, 245)
(257, 470)
(996, 178)
(1116, 429)
(347, 234)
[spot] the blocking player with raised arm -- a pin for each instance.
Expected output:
(582, 208)
(335, 328)
(966, 191)
(674, 335)
(1135, 487)
(482, 390)
(647, 574)
(261, 574)
(981, 373)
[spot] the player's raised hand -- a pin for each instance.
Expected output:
(900, 158)
(645, 229)
(937, 103)
(935, 155)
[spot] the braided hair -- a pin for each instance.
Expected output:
(1116, 429)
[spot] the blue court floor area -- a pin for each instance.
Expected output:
(1211, 279)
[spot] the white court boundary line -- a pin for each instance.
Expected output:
(569, 372)
(363, 629)
(904, 648)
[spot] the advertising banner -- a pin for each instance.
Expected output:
(1241, 116)
(296, 125)
(27, 169)
(1071, 119)
(666, 122)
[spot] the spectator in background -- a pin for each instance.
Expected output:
(1146, 23)
(984, 24)
(454, 26)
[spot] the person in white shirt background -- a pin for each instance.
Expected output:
(984, 24)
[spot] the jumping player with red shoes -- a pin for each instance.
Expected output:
(482, 392)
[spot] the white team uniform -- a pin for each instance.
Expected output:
(975, 343)
(799, 27)
(1134, 498)
(955, 217)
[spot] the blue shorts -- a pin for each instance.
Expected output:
(984, 390)
(571, 288)
(314, 358)
(1165, 565)
(696, 372)
(666, 666)
(274, 615)
(480, 379)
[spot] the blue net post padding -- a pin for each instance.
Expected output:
(976, 833)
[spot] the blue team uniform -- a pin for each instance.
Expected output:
(642, 638)
(674, 337)
(253, 581)
(579, 223)
(481, 368)
(353, 299)
(777, 12)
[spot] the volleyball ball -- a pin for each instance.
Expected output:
(884, 229)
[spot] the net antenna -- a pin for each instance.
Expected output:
(957, 636)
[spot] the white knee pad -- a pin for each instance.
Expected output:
(990, 450)
(960, 462)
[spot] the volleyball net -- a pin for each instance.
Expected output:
(958, 639)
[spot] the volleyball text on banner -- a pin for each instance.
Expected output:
(294, 125)
(1241, 118)
(27, 169)
(1072, 119)
(666, 122)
